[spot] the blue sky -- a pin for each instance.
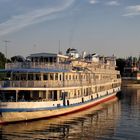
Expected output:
(103, 26)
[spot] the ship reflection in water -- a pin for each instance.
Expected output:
(117, 119)
(88, 124)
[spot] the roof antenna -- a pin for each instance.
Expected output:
(59, 51)
(6, 46)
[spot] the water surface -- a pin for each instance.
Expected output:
(118, 119)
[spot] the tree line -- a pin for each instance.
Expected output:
(3, 60)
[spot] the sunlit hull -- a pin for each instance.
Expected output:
(25, 113)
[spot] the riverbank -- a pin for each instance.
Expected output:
(131, 83)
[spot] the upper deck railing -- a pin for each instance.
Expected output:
(97, 68)
(38, 65)
(54, 84)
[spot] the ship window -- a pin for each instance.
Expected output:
(44, 94)
(23, 77)
(37, 77)
(30, 77)
(1, 76)
(78, 93)
(45, 77)
(51, 59)
(118, 76)
(13, 76)
(55, 60)
(51, 76)
(50, 95)
(86, 77)
(60, 77)
(56, 76)
(66, 77)
(73, 77)
(16, 76)
(5, 75)
(8, 74)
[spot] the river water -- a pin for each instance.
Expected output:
(118, 119)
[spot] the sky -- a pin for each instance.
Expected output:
(106, 27)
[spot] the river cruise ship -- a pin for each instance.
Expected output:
(48, 85)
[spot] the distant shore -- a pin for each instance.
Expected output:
(131, 83)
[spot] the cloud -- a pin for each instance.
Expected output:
(93, 1)
(132, 11)
(113, 3)
(18, 22)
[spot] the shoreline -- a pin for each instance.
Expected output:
(131, 83)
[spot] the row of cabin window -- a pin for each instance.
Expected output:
(116, 85)
(51, 76)
(108, 77)
(77, 77)
(76, 93)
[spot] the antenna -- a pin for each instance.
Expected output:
(59, 45)
(6, 46)
(59, 51)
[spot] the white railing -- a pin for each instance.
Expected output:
(59, 66)
(51, 83)
(38, 65)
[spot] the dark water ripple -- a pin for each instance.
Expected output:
(118, 119)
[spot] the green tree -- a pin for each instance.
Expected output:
(2, 60)
(120, 64)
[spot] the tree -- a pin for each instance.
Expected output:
(2, 60)
(17, 58)
(120, 64)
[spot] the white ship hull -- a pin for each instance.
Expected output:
(24, 111)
